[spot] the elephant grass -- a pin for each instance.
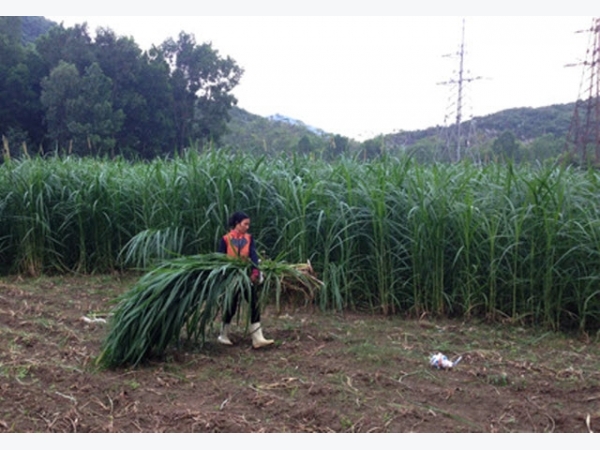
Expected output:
(180, 298)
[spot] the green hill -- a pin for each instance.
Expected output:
(525, 123)
(523, 134)
(34, 26)
(260, 135)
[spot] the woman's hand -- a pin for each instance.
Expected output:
(255, 276)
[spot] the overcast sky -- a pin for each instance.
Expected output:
(360, 76)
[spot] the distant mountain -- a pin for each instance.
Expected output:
(276, 134)
(33, 27)
(296, 122)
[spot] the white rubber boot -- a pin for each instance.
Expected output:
(224, 336)
(257, 337)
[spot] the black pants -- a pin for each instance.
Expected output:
(254, 308)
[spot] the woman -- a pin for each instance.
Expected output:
(238, 243)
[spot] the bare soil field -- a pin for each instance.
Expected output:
(326, 372)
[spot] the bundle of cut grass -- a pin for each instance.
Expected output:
(180, 298)
(293, 280)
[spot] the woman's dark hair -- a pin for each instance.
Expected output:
(236, 218)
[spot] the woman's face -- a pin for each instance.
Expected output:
(243, 226)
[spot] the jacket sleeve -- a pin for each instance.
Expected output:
(222, 246)
(253, 253)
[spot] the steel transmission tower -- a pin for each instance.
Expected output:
(583, 139)
(456, 140)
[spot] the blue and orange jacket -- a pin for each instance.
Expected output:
(239, 246)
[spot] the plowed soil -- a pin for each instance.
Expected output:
(326, 372)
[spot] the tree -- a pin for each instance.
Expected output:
(122, 61)
(373, 148)
(304, 145)
(10, 33)
(79, 111)
(92, 120)
(201, 83)
(154, 125)
(506, 147)
(58, 88)
(338, 145)
(545, 147)
(72, 45)
(20, 108)
(426, 150)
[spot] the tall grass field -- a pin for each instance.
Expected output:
(500, 242)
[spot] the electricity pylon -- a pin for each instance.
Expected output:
(456, 140)
(583, 138)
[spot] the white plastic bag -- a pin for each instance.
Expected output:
(440, 361)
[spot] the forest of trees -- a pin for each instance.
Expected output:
(101, 96)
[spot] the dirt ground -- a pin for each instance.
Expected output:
(325, 373)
